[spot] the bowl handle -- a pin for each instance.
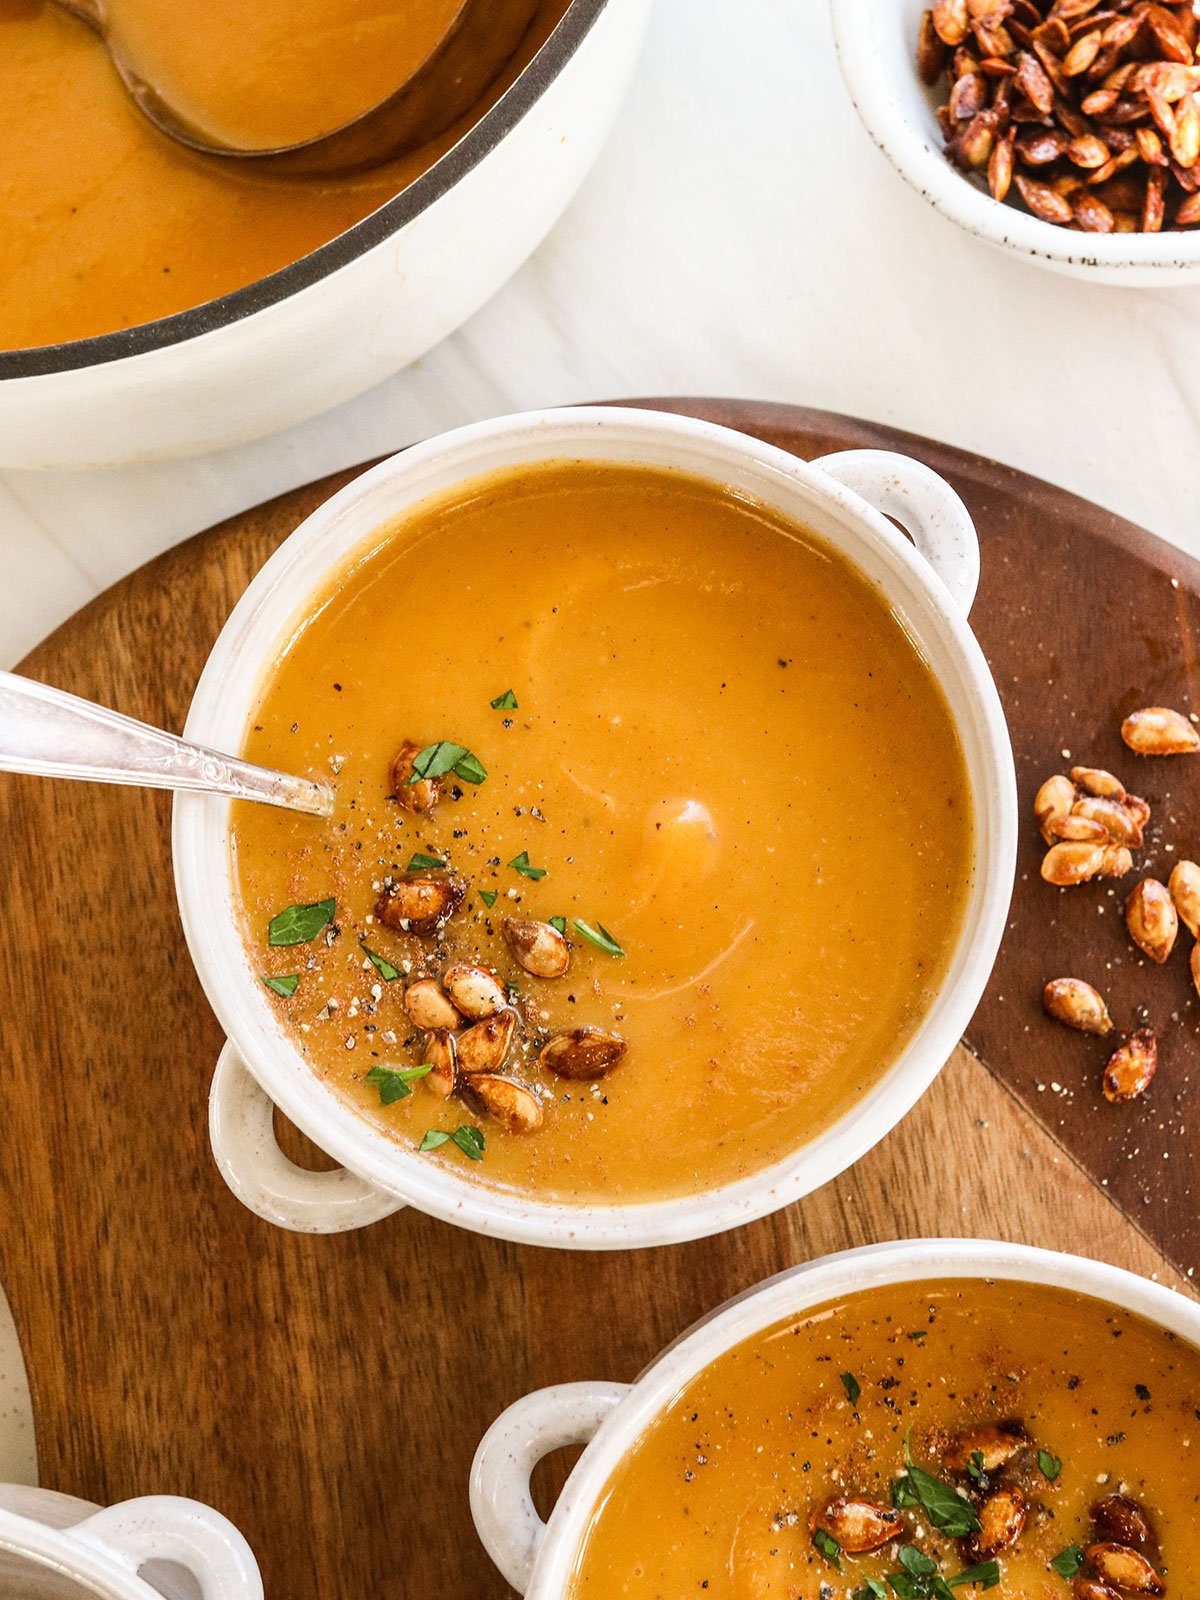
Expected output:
(922, 503)
(163, 1527)
(241, 1126)
(501, 1504)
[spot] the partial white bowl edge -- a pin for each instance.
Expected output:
(877, 47)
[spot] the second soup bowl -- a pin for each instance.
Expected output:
(844, 503)
(716, 1459)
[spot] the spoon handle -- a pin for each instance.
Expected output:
(52, 734)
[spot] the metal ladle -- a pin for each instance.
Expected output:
(476, 47)
(52, 734)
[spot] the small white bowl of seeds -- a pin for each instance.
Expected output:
(1065, 130)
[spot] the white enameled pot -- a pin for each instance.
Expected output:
(877, 49)
(160, 1547)
(842, 498)
(355, 311)
(537, 1558)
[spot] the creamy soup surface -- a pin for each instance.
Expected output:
(1093, 1410)
(727, 772)
(109, 223)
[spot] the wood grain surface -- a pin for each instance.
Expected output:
(328, 1393)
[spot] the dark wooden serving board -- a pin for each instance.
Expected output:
(327, 1393)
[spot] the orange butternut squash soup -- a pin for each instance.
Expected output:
(109, 223)
(922, 1442)
(652, 841)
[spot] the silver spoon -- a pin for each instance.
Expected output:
(52, 734)
(479, 43)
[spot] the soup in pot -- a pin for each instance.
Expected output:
(652, 843)
(921, 1441)
(259, 76)
(109, 223)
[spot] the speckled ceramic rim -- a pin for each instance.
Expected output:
(477, 143)
(876, 45)
(105, 1551)
(93, 1570)
(73, 1562)
(350, 522)
(792, 1294)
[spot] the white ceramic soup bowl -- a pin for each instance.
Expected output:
(537, 1558)
(352, 312)
(929, 586)
(877, 48)
(54, 1547)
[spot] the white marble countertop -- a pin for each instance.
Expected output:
(739, 235)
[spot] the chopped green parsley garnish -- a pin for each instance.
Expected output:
(919, 1578)
(1050, 1466)
(872, 1589)
(468, 1139)
(904, 1496)
(522, 865)
(382, 966)
(829, 1547)
(915, 1562)
(1068, 1562)
(488, 896)
(285, 986)
(949, 1512)
(985, 1574)
(423, 863)
(299, 924)
(505, 702)
(852, 1387)
(393, 1082)
(599, 936)
(470, 769)
(436, 760)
